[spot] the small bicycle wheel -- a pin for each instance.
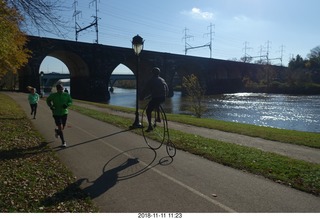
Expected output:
(171, 148)
(157, 136)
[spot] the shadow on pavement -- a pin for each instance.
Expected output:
(58, 148)
(108, 179)
(123, 166)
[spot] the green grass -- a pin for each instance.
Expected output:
(298, 174)
(32, 178)
(281, 135)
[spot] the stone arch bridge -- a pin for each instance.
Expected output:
(91, 65)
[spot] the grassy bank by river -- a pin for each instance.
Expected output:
(281, 135)
(295, 173)
(32, 177)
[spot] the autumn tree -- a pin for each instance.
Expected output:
(13, 55)
(195, 93)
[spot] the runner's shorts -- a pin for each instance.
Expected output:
(60, 120)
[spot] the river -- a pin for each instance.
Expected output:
(293, 112)
(301, 113)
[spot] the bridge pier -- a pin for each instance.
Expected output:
(90, 89)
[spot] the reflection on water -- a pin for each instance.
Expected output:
(274, 110)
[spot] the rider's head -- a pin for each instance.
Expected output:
(156, 71)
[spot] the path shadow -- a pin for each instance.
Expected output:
(123, 166)
(145, 156)
(92, 140)
(100, 185)
(108, 179)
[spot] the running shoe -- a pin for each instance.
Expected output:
(64, 144)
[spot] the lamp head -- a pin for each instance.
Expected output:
(137, 44)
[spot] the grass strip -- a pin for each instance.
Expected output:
(298, 174)
(32, 177)
(308, 139)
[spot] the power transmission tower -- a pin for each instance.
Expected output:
(247, 56)
(268, 48)
(94, 23)
(75, 15)
(210, 33)
(188, 47)
(281, 52)
(246, 48)
(186, 37)
(278, 58)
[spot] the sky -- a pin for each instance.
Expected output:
(279, 28)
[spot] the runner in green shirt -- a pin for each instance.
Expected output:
(33, 99)
(59, 103)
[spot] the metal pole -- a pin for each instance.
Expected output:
(137, 123)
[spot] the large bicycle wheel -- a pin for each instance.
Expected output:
(158, 135)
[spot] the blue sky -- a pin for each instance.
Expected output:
(261, 26)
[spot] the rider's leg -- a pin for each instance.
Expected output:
(151, 106)
(159, 101)
(148, 112)
(158, 119)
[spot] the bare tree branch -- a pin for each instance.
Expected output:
(42, 15)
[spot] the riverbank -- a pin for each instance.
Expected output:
(273, 134)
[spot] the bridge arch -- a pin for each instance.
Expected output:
(75, 64)
(77, 67)
(121, 72)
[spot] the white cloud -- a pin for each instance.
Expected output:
(197, 13)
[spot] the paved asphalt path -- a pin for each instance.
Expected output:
(123, 175)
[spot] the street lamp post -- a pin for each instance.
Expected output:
(137, 45)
